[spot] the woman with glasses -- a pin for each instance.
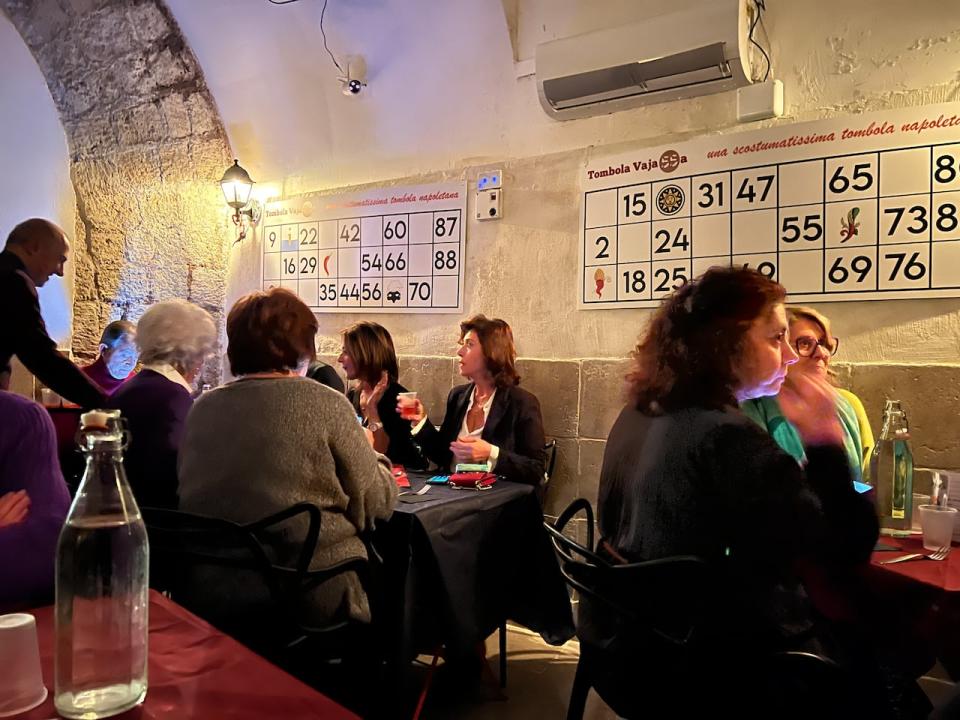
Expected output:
(814, 344)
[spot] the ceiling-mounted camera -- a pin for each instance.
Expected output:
(355, 79)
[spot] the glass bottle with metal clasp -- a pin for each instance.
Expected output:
(891, 469)
(101, 584)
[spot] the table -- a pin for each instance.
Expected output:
(943, 575)
(461, 561)
(195, 671)
(926, 593)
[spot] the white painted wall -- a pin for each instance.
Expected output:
(34, 166)
(444, 100)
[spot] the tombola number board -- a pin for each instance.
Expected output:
(394, 249)
(856, 208)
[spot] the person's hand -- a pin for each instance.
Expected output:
(368, 435)
(415, 411)
(14, 507)
(810, 403)
(368, 403)
(468, 449)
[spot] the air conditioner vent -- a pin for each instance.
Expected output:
(705, 64)
(695, 51)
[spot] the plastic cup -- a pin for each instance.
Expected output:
(918, 500)
(408, 405)
(937, 524)
(21, 681)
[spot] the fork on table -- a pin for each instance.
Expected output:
(421, 491)
(938, 554)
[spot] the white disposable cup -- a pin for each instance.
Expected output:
(918, 500)
(21, 680)
(937, 524)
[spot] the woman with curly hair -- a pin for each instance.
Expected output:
(686, 473)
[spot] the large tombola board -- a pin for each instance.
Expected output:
(392, 249)
(861, 207)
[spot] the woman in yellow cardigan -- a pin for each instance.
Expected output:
(814, 343)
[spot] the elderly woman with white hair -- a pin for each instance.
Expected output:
(175, 338)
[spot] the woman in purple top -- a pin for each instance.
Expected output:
(174, 337)
(33, 503)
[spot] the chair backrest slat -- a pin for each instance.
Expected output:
(661, 596)
(184, 546)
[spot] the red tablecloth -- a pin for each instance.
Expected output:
(66, 421)
(195, 671)
(924, 595)
(944, 574)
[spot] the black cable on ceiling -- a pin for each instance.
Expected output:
(760, 7)
(322, 32)
(325, 38)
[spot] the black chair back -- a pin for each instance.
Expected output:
(226, 573)
(661, 597)
(550, 453)
(551, 450)
(646, 627)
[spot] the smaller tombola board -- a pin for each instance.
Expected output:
(862, 207)
(394, 249)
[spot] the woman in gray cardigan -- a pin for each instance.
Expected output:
(273, 438)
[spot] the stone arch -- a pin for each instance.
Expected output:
(146, 148)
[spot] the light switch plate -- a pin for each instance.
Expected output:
(488, 204)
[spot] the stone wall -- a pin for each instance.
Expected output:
(147, 149)
(581, 399)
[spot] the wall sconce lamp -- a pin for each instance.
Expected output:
(236, 185)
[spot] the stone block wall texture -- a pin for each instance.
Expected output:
(580, 400)
(147, 149)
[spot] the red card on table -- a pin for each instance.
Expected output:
(400, 475)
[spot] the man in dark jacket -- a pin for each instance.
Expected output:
(35, 250)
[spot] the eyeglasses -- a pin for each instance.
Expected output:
(806, 345)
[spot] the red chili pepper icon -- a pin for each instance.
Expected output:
(601, 280)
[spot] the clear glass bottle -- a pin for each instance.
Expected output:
(891, 469)
(101, 584)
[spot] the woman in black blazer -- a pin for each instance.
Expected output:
(370, 361)
(490, 419)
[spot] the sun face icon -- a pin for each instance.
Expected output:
(670, 200)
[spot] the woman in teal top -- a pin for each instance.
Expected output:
(811, 338)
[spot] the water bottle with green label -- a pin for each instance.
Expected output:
(891, 469)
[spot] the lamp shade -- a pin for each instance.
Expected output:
(236, 185)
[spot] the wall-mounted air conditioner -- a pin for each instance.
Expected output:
(697, 51)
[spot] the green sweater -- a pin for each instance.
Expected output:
(767, 414)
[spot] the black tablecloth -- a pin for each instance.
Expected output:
(461, 561)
